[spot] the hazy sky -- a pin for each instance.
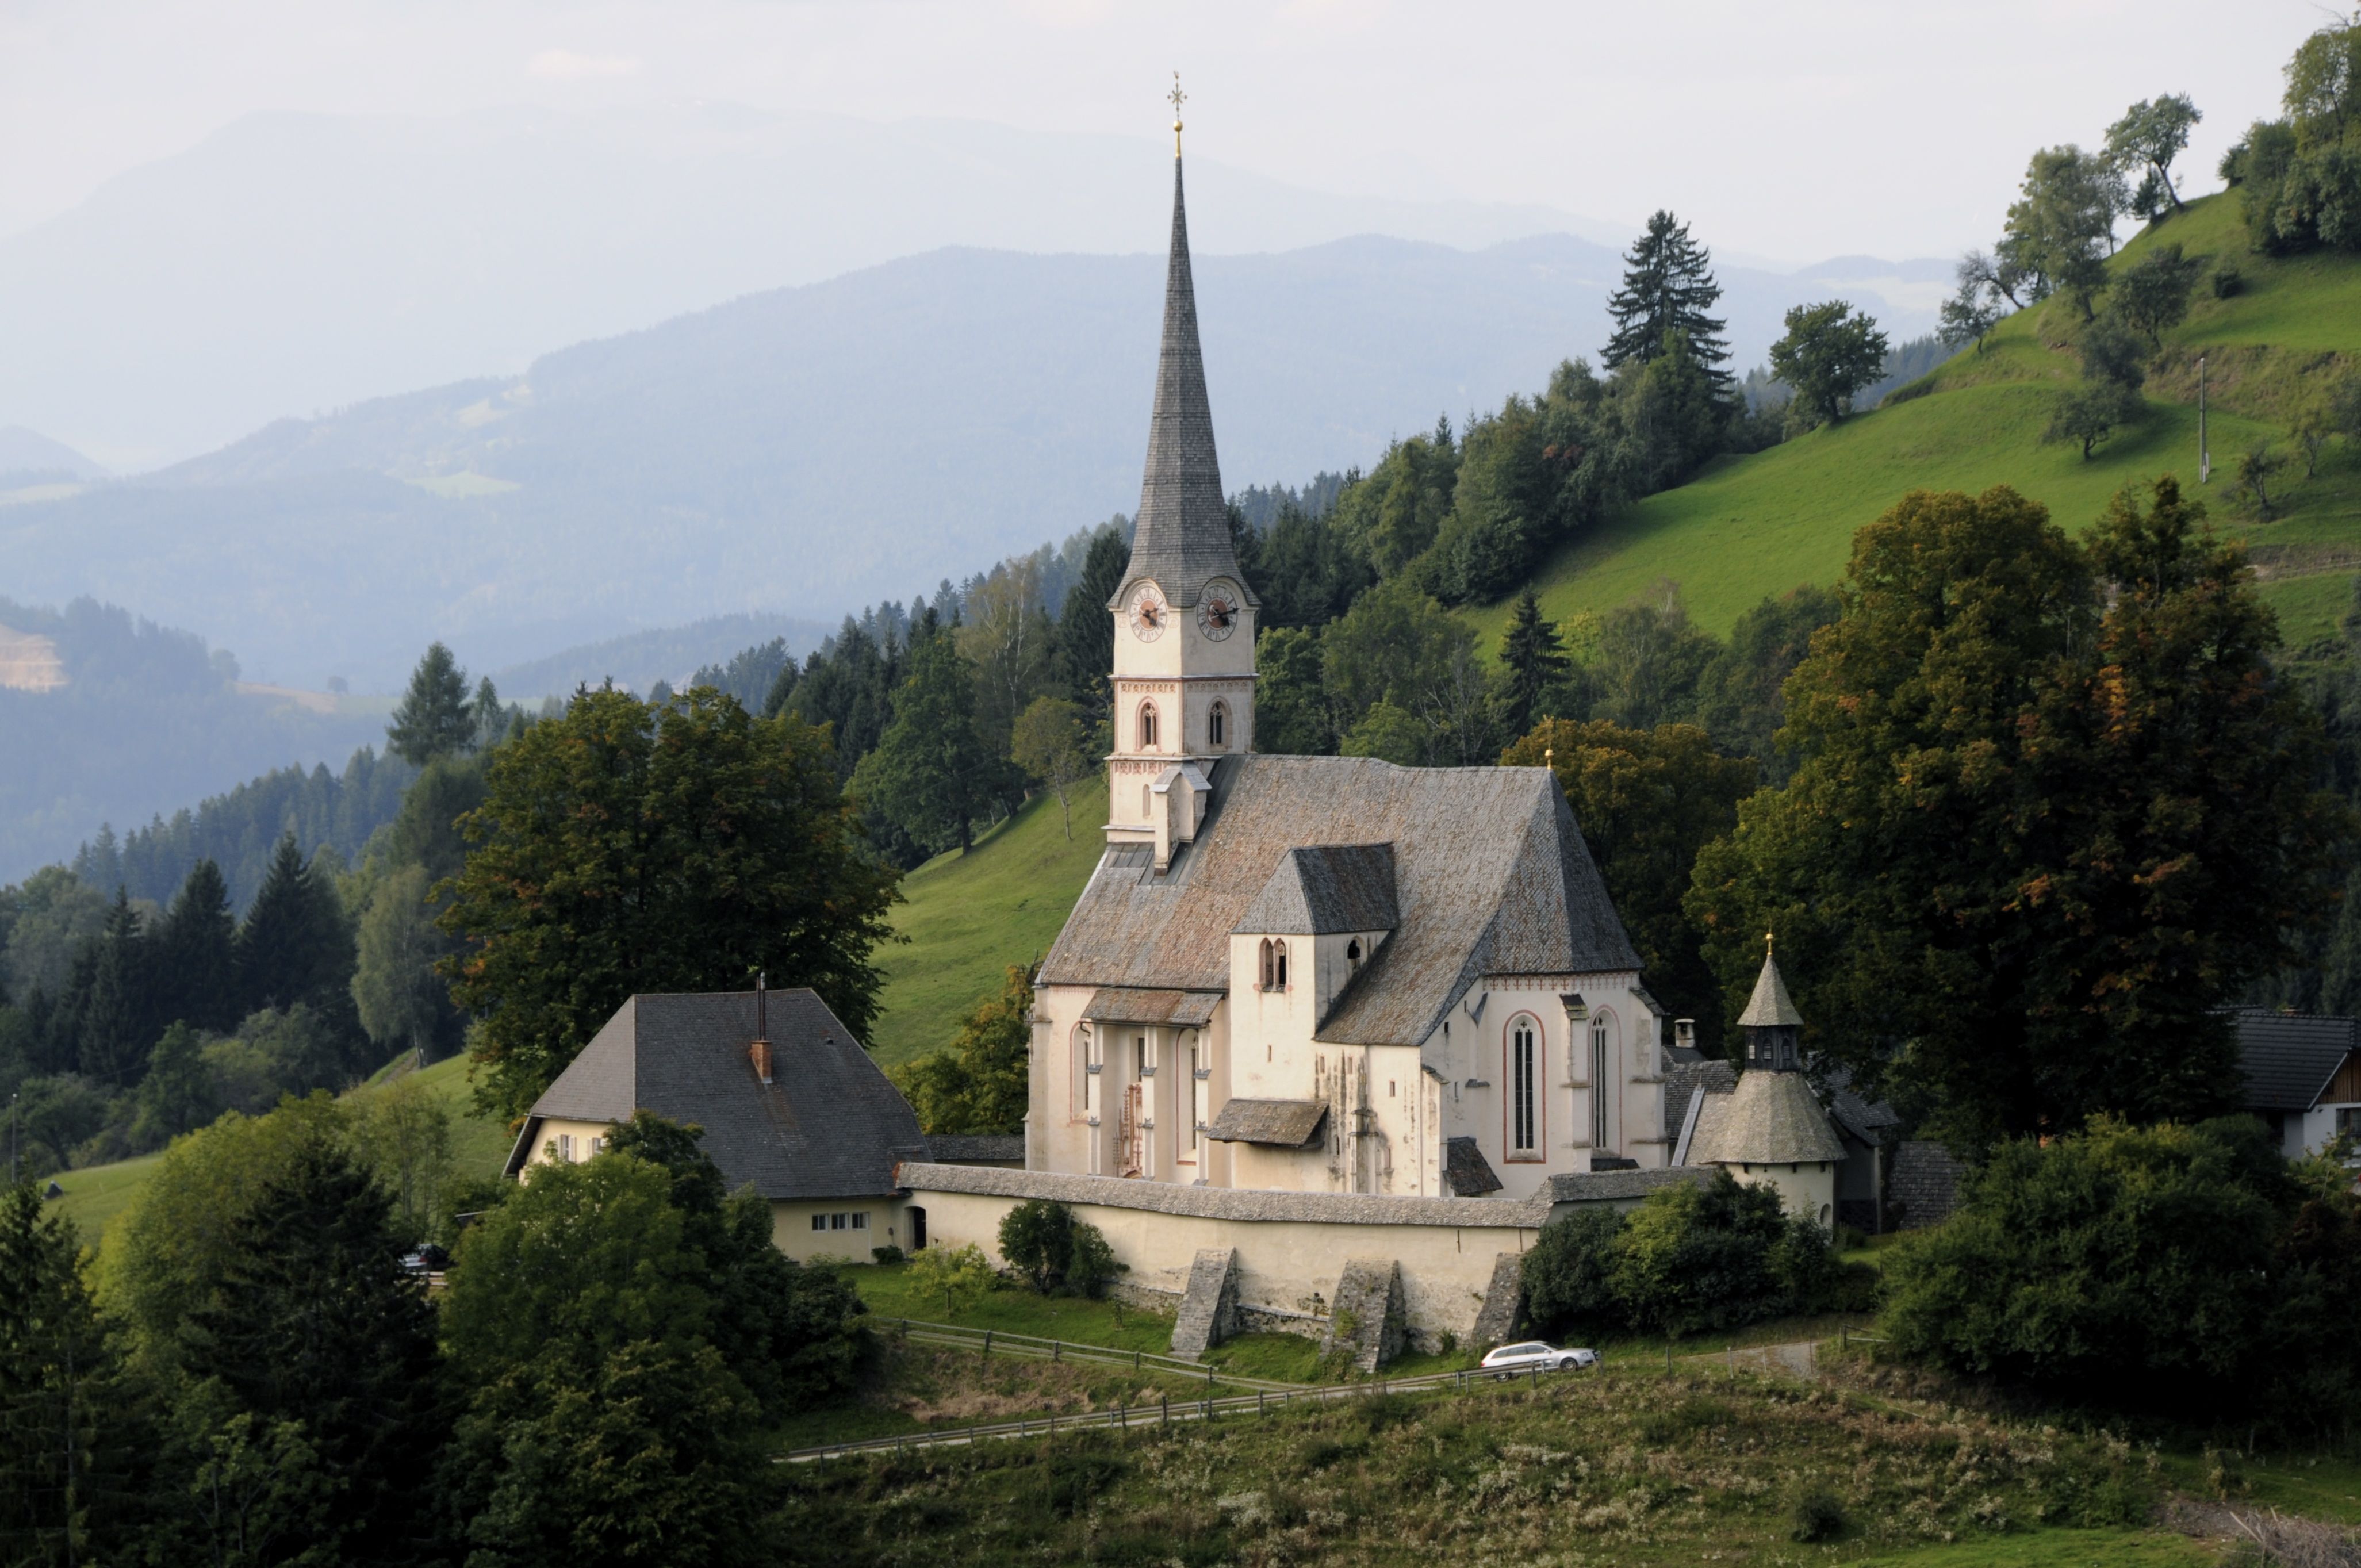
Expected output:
(1789, 130)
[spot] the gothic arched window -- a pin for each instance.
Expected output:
(1353, 954)
(1148, 727)
(1524, 1087)
(1263, 974)
(1599, 1082)
(1217, 726)
(1279, 966)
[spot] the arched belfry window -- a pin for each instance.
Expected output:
(1353, 954)
(1279, 966)
(1524, 1087)
(1217, 728)
(1148, 727)
(1263, 974)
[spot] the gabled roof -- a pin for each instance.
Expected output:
(2290, 1057)
(1868, 1120)
(1770, 1007)
(1771, 1118)
(828, 1125)
(1183, 538)
(1326, 889)
(1490, 876)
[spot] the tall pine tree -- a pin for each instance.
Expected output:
(315, 1320)
(71, 1443)
(434, 717)
(294, 946)
(1668, 286)
(115, 1032)
(196, 953)
(1535, 660)
(1085, 625)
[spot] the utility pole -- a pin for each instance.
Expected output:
(2204, 458)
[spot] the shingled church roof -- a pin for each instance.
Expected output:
(1182, 539)
(1490, 877)
(1324, 889)
(828, 1125)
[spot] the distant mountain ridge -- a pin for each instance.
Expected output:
(805, 451)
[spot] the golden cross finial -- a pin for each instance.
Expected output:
(1767, 943)
(1176, 98)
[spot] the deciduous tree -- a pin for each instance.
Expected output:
(2031, 847)
(623, 848)
(2151, 134)
(979, 1083)
(1829, 353)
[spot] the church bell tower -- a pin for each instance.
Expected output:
(1184, 620)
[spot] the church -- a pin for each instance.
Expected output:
(1317, 974)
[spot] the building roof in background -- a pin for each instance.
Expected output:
(975, 1148)
(2290, 1057)
(1868, 1120)
(828, 1125)
(1326, 889)
(1771, 1118)
(1492, 877)
(1685, 1079)
(1183, 538)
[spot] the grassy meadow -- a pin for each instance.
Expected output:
(480, 1148)
(967, 917)
(1762, 524)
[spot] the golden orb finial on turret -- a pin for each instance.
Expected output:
(1176, 98)
(1767, 937)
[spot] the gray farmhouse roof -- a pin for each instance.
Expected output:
(2290, 1057)
(1182, 537)
(828, 1125)
(1771, 1118)
(1492, 877)
(1326, 889)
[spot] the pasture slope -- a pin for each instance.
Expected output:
(1763, 523)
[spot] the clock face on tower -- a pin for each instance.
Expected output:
(1148, 612)
(1217, 612)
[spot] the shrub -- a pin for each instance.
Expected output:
(889, 1253)
(1817, 1516)
(2175, 1266)
(1691, 1258)
(1055, 1251)
(2228, 282)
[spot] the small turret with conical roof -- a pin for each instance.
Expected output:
(1773, 1028)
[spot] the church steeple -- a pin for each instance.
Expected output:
(1185, 676)
(1182, 541)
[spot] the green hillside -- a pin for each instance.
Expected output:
(480, 1147)
(1763, 523)
(969, 916)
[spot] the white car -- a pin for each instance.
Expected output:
(1510, 1359)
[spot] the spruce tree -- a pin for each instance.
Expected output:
(1085, 625)
(1668, 286)
(196, 953)
(1534, 658)
(434, 717)
(932, 773)
(72, 1441)
(294, 946)
(115, 1036)
(315, 1320)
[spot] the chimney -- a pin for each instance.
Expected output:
(760, 1051)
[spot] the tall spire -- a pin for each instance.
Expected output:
(1183, 535)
